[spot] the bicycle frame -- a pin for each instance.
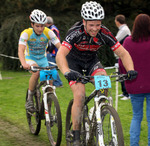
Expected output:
(47, 107)
(97, 108)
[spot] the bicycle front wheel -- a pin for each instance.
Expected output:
(54, 128)
(111, 125)
(33, 119)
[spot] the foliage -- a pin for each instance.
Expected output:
(10, 32)
(106, 56)
(15, 17)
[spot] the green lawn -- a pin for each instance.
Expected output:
(12, 106)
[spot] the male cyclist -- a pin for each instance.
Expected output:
(32, 49)
(79, 52)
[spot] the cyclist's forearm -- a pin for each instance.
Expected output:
(125, 58)
(61, 61)
(21, 55)
(128, 63)
(62, 64)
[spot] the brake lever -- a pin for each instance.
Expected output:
(34, 69)
(121, 79)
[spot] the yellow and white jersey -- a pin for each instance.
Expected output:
(36, 44)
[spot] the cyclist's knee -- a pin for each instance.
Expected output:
(79, 98)
(35, 75)
(99, 71)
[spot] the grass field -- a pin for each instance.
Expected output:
(12, 108)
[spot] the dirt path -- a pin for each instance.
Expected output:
(15, 136)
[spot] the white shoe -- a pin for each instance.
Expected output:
(125, 98)
(121, 95)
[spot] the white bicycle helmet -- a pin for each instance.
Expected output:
(92, 11)
(37, 16)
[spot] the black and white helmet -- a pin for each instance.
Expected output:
(92, 11)
(37, 16)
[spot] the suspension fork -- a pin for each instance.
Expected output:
(99, 121)
(47, 118)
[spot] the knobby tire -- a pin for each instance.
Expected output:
(69, 127)
(34, 120)
(69, 134)
(105, 114)
(54, 128)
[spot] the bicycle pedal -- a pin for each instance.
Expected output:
(31, 114)
(68, 139)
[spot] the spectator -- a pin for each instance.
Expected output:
(123, 32)
(138, 45)
(52, 50)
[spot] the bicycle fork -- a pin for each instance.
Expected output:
(47, 118)
(99, 121)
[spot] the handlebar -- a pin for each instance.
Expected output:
(37, 68)
(86, 79)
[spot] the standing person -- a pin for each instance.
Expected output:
(122, 33)
(124, 30)
(52, 50)
(32, 49)
(79, 52)
(138, 45)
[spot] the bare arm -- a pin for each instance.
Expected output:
(58, 45)
(125, 58)
(21, 50)
(61, 59)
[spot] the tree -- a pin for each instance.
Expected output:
(65, 14)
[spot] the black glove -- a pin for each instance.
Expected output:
(132, 74)
(71, 76)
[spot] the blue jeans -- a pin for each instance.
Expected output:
(137, 106)
(57, 82)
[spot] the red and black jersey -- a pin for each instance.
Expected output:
(84, 47)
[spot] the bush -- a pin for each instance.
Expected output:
(10, 32)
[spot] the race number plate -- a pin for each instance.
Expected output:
(102, 82)
(48, 75)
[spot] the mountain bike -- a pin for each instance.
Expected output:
(46, 106)
(100, 125)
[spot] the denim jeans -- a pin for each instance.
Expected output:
(137, 101)
(57, 82)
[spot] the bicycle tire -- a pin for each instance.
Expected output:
(69, 127)
(33, 119)
(69, 134)
(54, 128)
(106, 126)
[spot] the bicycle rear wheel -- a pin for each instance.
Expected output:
(112, 129)
(33, 119)
(69, 134)
(54, 128)
(69, 127)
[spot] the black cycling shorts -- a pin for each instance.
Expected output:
(84, 68)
